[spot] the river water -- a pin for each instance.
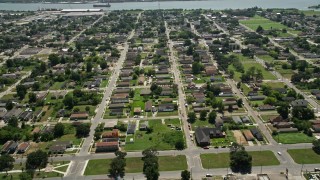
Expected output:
(210, 4)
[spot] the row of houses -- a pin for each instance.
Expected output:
(11, 147)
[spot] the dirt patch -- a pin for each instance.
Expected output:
(239, 137)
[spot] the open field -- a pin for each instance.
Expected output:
(162, 137)
(304, 156)
(134, 165)
(247, 64)
(221, 160)
(266, 24)
(293, 138)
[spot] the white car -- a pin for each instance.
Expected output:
(279, 153)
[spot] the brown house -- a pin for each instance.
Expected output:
(107, 146)
(79, 115)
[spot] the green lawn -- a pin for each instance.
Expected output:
(200, 123)
(224, 141)
(62, 168)
(82, 108)
(104, 83)
(293, 138)
(175, 122)
(56, 86)
(173, 113)
(221, 160)
(247, 65)
(157, 138)
(266, 24)
(135, 165)
(266, 58)
(304, 156)
(275, 84)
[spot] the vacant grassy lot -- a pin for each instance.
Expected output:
(221, 160)
(275, 84)
(266, 24)
(162, 137)
(304, 156)
(134, 165)
(248, 63)
(293, 138)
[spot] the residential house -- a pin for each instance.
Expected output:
(266, 107)
(257, 134)
(107, 146)
(15, 112)
(204, 134)
(256, 98)
(23, 147)
(9, 147)
(115, 133)
(248, 135)
(60, 147)
(116, 106)
(299, 103)
(144, 126)
(116, 112)
(166, 107)
(137, 110)
(237, 119)
(79, 116)
(148, 106)
(131, 128)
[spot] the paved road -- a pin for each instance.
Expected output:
(9, 89)
(77, 166)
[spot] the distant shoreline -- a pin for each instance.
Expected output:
(92, 2)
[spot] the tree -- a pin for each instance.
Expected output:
(212, 117)
(58, 130)
(13, 122)
(103, 65)
(239, 102)
(32, 97)
(240, 160)
(203, 115)
(54, 59)
(37, 159)
(68, 101)
(185, 175)
(179, 145)
(316, 146)
(259, 29)
(89, 66)
(21, 91)
(82, 130)
(192, 117)
(6, 162)
(283, 110)
(118, 164)
(150, 164)
(9, 105)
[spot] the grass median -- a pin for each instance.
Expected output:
(222, 160)
(135, 165)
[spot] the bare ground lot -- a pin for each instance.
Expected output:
(239, 137)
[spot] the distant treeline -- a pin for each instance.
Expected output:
(314, 7)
